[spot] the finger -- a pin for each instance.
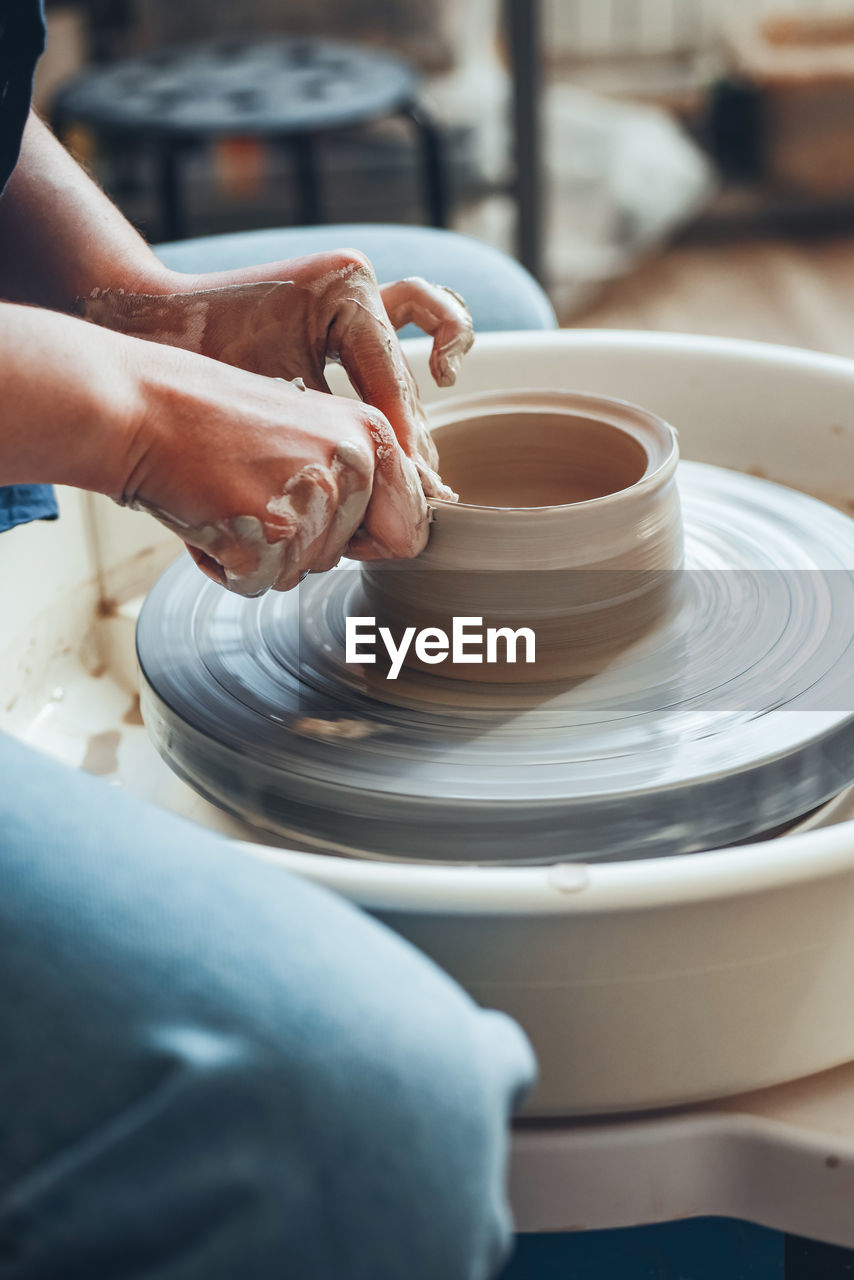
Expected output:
(362, 547)
(441, 313)
(209, 545)
(236, 554)
(209, 566)
(245, 575)
(396, 517)
(353, 467)
(302, 516)
(367, 346)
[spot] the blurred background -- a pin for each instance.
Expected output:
(681, 164)
(671, 164)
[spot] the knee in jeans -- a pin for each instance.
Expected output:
(357, 1164)
(423, 1117)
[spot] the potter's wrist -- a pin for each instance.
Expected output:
(140, 273)
(147, 426)
(160, 308)
(97, 446)
(69, 401)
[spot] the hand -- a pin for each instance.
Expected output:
(286, 320)
(263, 480)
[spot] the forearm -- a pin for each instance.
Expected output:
(61, 237)
(69, 401)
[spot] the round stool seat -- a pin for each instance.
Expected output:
(284, 91)
(499, 292)
(229, 87)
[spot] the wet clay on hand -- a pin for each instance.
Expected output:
(328, 308)
(265, 480)
(325, 307)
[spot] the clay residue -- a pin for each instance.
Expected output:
(102, 753)
(333, 730)
(133, 715)
(178, 320)
(290, 328)
(310, 521)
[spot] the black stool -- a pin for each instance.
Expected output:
(281, 89)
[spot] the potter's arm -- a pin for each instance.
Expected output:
(62, 241)
(68, 405)
(60, 237)
(262, 480)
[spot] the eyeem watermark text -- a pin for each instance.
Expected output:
(469, 641)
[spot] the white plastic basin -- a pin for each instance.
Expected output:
(642, 984)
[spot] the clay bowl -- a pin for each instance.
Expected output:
(568, 523)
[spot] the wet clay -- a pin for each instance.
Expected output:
(535, 460)
(568, 523)
(133, 715)
(101, 756)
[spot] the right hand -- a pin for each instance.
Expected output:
(263, 481)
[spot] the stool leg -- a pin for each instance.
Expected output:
(810, 1260)
(522, 24)
(433, 165)
(173, 224)
(304, 149)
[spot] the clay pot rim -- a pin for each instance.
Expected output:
(445, 413)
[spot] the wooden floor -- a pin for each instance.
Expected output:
(800, 293)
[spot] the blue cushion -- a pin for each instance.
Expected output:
(500, 293)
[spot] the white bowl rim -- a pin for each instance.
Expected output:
(573, 888)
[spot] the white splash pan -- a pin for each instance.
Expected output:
(642, 984)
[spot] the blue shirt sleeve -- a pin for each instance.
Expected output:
(20, 503)
(22, 36)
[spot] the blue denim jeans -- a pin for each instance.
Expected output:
(213, 1070)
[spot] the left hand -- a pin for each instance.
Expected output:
(302, 313)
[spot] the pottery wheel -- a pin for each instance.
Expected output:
(731, 717)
